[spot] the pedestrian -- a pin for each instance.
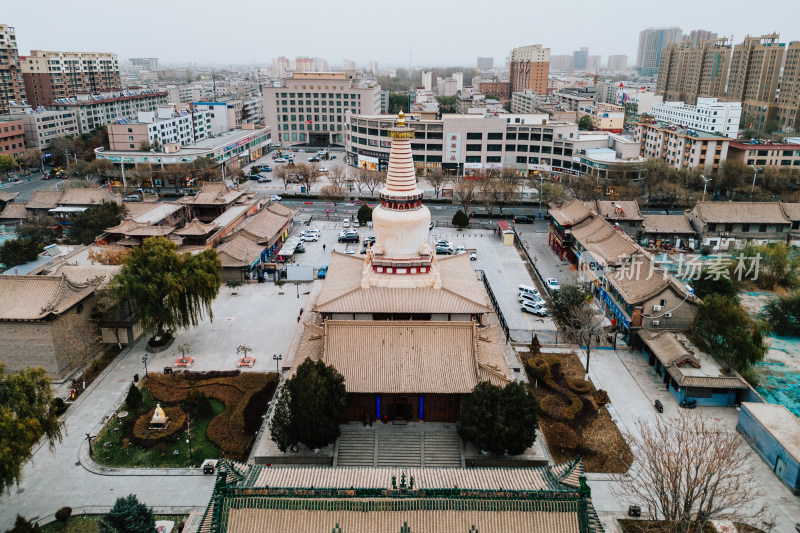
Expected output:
(323, 247)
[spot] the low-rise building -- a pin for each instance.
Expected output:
(668, 232)
(164, 126)
(689, 373)
(774, 433)
(732, 225)
(709, 115)
(768, 154)
(605, 117)
(561, 221)
(681, 148)
(500, 89)
(792, 212)
(12, 136)
(624, 215)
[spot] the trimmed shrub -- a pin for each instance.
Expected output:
(134, 398)
(144, 436)
(561, 436)
(63, 514)
(601, 397)
(59, 406)
(579, 385)
(556, 407)
(537, 368)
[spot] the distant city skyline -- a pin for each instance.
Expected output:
(185, 32)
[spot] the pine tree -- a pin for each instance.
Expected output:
(128, 516)
(134, 398)
(460, 219)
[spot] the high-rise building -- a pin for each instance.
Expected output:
(561, 63)
(427, 80)
(789, 94)
(49, 75)
(651, 42)
(529, 68)
(688, 72)
(320, 65)
(11, 87)
(593, 62)
(709, 115)
(459, 77)
(280, 65)
(485, 63)
(618, 63)
(372, 67)
(304, 64)
(754, 76)
(580, 59)
(446, 86)
(695, 37)
(348, 64)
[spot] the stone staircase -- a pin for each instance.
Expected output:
(400, 448)
(409, 445)
(442, 448)
(355, 448)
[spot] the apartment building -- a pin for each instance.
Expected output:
(651, 42)
(769, 155)
(618, 63)
(605, 117)
(788, 111)
(11, 84)
(709, 115)
(681, 148)
(12, 136)
(42, 126)
(311, 108)
(755, 74)
(500, 89)
(427, 80)
(50, 75)
(524, 102)
(689, 71)
(189, 92)
(166, 126)
(93, 110)
(529, 68)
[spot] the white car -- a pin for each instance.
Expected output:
(275, 198)
(460, 250)
(526, 297)
(322, 169)
(310, 237)
(356, 224)
(552, 284)
(534, 308)
(280, 160)
(346, 223)
(473, 256)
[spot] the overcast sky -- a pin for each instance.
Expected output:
(432, 32)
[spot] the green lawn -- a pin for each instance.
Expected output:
(91, 523)
(108, 448)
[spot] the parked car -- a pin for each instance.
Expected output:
(322, 169)
(281, 160)
(368, 241)
(552, 284)
(534, 308)
(322, 272)
(473, 256)
(349, 236)
(527, 289)
(460, 250)
(300, 248)
(346, 223)
(444, 250)
(310, 237)
(253, 176)
(525, 297)
(356, 223)
(313, 159)
(265, 168)
(264, 179)
(275, 198)
(522, 219)
(132, 198)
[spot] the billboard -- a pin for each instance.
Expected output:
(453, 148)
(299, 273)
(369, 163)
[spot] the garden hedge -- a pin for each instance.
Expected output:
(561, 436)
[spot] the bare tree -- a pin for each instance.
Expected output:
(437, 179)
(282, 174)
(308, 173)
(490, 193)
(372, 179)
(689, 471)
(466, 192)
(333, 193)
(142, 174)
(582, 324)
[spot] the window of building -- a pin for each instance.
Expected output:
(474, 135)
(494, 147)
(493, 159)
(473, 159)
(474, 148)
(495, 136)
(745, 228)
(434, 159)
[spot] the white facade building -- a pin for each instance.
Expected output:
(427, 80)
(459, 77)
(446, 86)
(709, 115)
(109, 106)
(42, 126)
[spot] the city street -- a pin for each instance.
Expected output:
(26, 188)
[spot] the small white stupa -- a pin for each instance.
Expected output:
(160, 420)
(402, 255)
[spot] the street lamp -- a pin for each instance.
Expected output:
(541, 184)
(705, 184)
(753, 187)
(144, 360)
(277, 357)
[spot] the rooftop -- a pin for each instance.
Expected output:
(780, 422)
(667, 224)
(685, 132)
(37, 297)
(741, 212)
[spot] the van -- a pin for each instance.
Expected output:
(460, 250)
(527, 290)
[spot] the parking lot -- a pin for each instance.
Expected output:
(276, 185)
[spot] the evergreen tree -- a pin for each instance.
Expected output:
(364, 214)
(460, 219)
(134, 398)
(128, 516)
(88, 225)
(309, 407)
(23, 525)
(499, 419)
(19, 251)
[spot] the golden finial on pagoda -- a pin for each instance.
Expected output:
(401, 121)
